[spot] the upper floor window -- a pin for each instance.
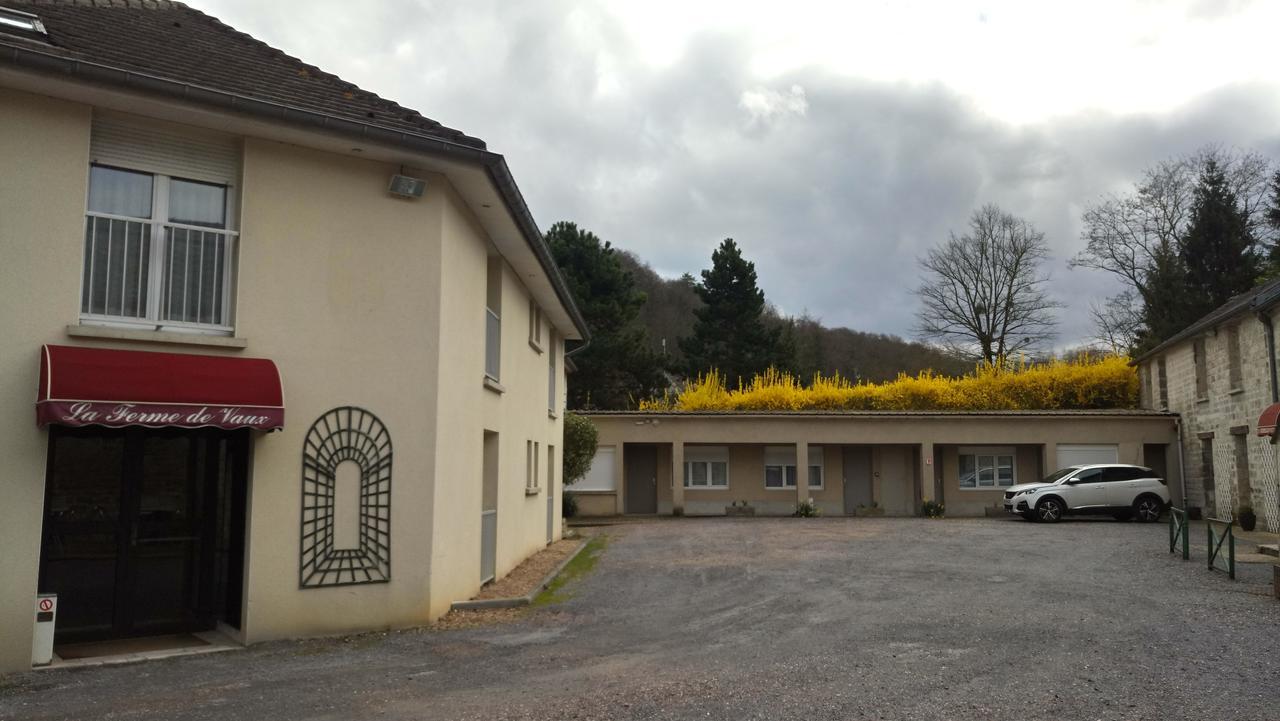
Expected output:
(159, 235)
(493, 320)
(1202, 369)
(157, 250)
(1162, 381)
(1234, 370)
(551, 376)
(535, 325)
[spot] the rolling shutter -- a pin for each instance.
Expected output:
(601, 477)
(1080, 455)
(167, 148)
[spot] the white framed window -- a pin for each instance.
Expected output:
(159, 252)
(602, 475)
(552, 405)
(780, 467)
(706, 467)
(535, 325)
(987, 468)
(531, 454)
(493, 320)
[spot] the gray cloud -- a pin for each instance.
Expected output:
(833, 185)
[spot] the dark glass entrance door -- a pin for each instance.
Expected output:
(140, 530)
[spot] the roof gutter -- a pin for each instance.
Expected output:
(495, 165)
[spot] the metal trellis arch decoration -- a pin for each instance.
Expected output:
(340, 435)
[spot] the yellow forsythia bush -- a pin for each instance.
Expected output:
(1087, 382)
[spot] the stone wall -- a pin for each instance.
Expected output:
(1224, 416)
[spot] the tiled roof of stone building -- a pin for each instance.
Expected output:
(1256, 299)
(175, 42)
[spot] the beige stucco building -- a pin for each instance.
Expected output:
(1219, 375)
(890, 462)
(286, 390)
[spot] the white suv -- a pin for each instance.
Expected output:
(1100, 489)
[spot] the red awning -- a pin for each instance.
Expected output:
(1267, 421)
(118, 388)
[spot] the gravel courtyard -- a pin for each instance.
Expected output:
(775, 619)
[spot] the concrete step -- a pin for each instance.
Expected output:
(1272, 549)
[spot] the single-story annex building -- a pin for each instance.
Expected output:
(281, 357)
(888, 461)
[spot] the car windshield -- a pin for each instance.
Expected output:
(1059, 475)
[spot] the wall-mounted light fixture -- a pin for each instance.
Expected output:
(403, 186)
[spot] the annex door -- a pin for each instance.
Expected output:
(641, 478)
(143, 530)
(896, 480)
(857, 478)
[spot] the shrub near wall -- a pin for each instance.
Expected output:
(1085, 383)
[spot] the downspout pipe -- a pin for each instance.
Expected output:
(1182, 464)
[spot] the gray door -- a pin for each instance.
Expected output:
(897, 480)
(857, 478)
(641, 478)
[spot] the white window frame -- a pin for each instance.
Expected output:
(783, 458)
(158, 222)
(494, 272)
(707, 457)
(995, 453)
(535, 325)
(553, 402)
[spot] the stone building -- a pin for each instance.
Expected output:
(1219, 376)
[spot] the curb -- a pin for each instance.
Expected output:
(526, 599)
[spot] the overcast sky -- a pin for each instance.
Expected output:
(836, 141)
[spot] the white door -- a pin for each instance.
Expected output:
(1083, 455)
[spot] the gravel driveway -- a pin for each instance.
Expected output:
(770, 619)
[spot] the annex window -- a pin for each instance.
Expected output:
(706, 467)
(780, 467)
(981, 468)
(602, 475)
(493, 319)
(1202, 369)
(1234, 371)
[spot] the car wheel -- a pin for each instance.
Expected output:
(1049, 510)
(1147, 509)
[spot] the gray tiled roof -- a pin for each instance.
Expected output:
(173, 41)
(1255, 299)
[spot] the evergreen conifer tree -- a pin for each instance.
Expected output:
(730, 333)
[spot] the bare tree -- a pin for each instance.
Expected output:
(983, 293)
(1129, 235)
(1117, 321)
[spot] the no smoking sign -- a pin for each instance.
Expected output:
(46, 604)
